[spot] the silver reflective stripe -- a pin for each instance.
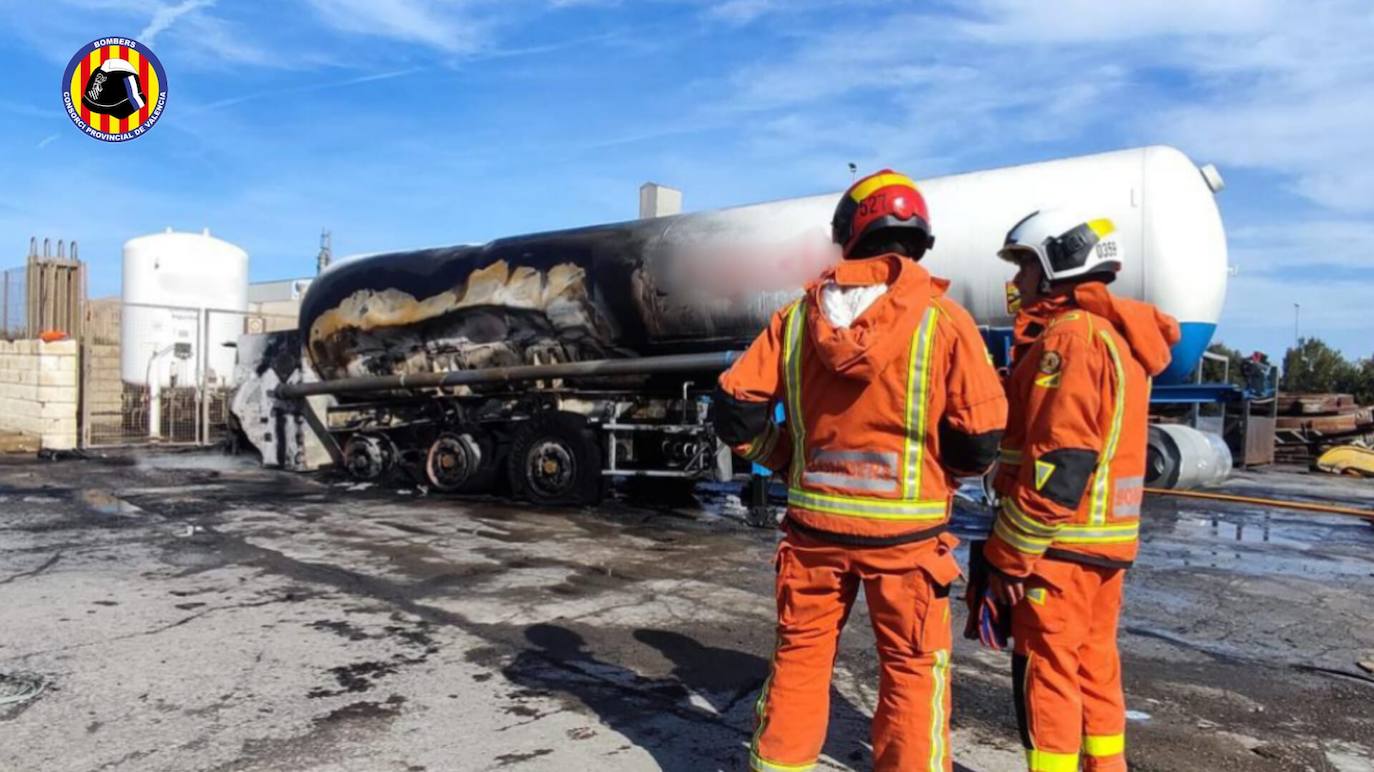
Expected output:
(845, 469)
(1127, 483)
(1131, 507)
(837, 480)
(886, 460)
(917, 393)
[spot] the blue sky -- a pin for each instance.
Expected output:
(406, 123)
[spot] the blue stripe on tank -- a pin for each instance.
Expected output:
(1187, 352)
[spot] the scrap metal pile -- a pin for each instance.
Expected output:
(1310, 424)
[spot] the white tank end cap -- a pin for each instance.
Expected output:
(1212, 175)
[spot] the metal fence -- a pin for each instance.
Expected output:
(14, 315)
(168, 380)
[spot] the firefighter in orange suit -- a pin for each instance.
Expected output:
(1070, 478)
(889, 394)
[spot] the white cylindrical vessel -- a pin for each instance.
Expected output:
(710, 280)
(1162, 203)
(174, 283)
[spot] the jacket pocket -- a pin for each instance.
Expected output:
(1044, 608)
(931, 621)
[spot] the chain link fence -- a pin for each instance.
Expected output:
(168, 378)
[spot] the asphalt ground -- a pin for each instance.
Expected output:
(194, 612)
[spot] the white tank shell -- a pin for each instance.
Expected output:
(185, 275)
(1163, 205)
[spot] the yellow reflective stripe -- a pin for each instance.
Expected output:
(1104, 744)
(1024, 522)
(1021, 542)
(917, 393)
(1098, 534)
(758, 763)
(761, 720)
(792, 350)
(1102, 483)
(1009, 456)
(1044, 761)
(860, 506)
(876, 182)
(938, 748)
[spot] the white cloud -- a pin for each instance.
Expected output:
(739, 11)
(1297, 99)
(442, 25)
(326, 86)
(1281, 87)
(44, 142)
(1092, 21)
(1259, 314)
(1296, 244)
(166, 15)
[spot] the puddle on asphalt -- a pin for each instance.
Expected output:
(105, 503)
(184, 461)
(1248, 540)
(1258, 542)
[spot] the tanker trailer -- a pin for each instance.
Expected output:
(553, 361)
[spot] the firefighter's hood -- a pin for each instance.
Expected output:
(882, 333)
(1150, 332)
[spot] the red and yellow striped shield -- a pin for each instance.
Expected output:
(137, 82)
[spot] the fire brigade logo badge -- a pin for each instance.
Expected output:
(1051, 362)
(114, 89)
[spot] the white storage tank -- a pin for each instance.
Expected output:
(172, 282)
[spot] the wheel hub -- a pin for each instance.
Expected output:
(551, 468)
(452, 461)
(367, 457)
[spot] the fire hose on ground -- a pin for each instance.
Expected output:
(1304, 506)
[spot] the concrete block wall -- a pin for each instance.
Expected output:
(38, 391)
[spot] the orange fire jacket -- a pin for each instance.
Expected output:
(1072, 464)
(881, 415)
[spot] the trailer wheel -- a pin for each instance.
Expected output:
(460, 462)
(369, 456)
(554, 459)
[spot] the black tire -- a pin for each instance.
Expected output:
(481, 454)
(554, 459)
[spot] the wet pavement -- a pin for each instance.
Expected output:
(192, 612)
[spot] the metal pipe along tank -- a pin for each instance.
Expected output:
(684, 363)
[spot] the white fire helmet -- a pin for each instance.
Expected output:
(1069, 247)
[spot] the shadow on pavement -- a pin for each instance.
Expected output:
(701, 716)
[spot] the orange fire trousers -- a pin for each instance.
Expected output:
(907, 590)
(1067, 671)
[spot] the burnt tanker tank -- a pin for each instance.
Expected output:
(548, 363)
(709, 281)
